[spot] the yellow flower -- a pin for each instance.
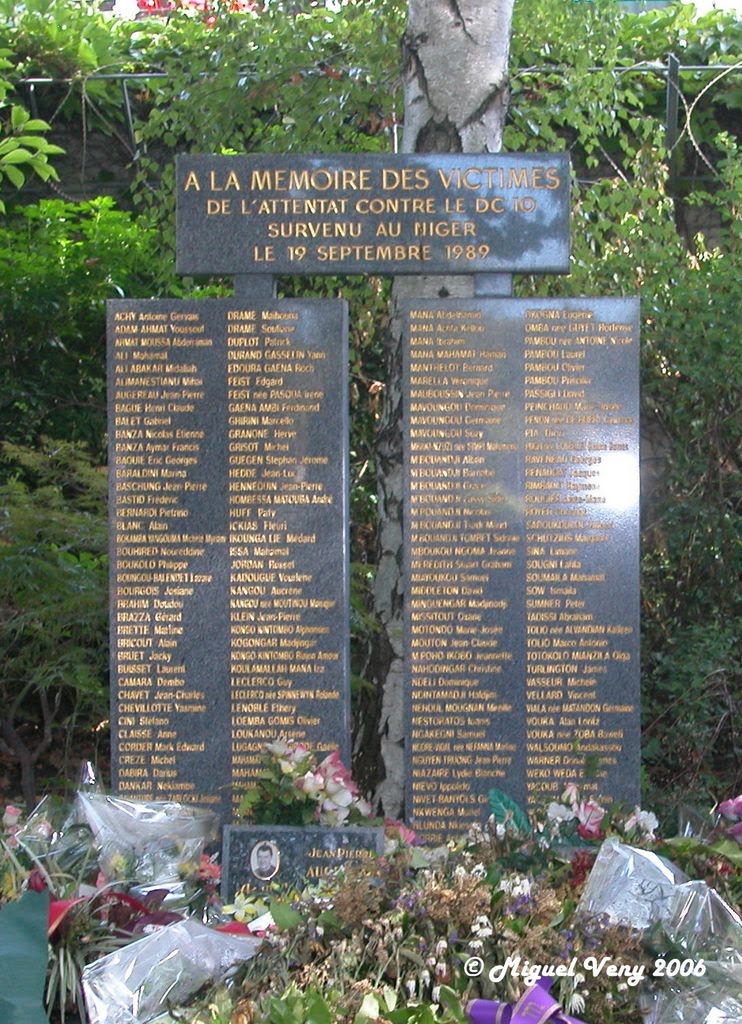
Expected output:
(245, 908)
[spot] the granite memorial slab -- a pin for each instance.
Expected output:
(254, 856)
(373, 213)
(521, 553)
(229, 550)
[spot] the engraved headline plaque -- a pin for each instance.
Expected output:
(522, 553)
(229, 575)
(373, 213)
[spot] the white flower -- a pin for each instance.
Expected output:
(338, 792)
(475, 834)
(279, 747)
(310, 783)
(332, 815)
(576, 1003)
(500, 830)
(482, 927)
(475, 945)
(559, 812)
(516, 885)
(363, 807)
(645, 821)
(298, 753)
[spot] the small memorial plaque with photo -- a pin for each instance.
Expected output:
(256, 855)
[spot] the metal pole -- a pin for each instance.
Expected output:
(671, 112)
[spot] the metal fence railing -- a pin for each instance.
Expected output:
(672, 70)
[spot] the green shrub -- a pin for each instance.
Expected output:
(53, 602)
(59, 262)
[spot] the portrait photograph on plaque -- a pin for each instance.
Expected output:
(265, 860)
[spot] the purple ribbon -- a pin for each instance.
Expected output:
(535, 1006)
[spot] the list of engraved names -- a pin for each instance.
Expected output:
(522, 552)
(228, 582)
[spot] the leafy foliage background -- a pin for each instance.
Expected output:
(301, 77)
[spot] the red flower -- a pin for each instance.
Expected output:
(37, 881)
(208, 870)
(580, 867)
(58, 910)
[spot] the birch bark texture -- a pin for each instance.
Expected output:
(455, 70)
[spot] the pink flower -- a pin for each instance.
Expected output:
(590, 816)
(333, 767)
(398, 830)
(736, 832)
(731, 809)
(571, 794)
(11, 816)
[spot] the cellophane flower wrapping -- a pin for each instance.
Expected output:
(145, 842)
(629, 886)
(701, 924)
(700, 928)
(700, 1005)
(137, 983)
(688, 922)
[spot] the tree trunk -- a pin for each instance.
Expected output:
(455, 59)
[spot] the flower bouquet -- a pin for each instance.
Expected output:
(294, 788)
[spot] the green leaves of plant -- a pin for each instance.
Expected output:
(507, 811)
(299, 1007)
(23, 954)
(284, 916)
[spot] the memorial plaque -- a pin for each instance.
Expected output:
(522, 553)
(373, 213)
(229, 560)
(254, 856)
